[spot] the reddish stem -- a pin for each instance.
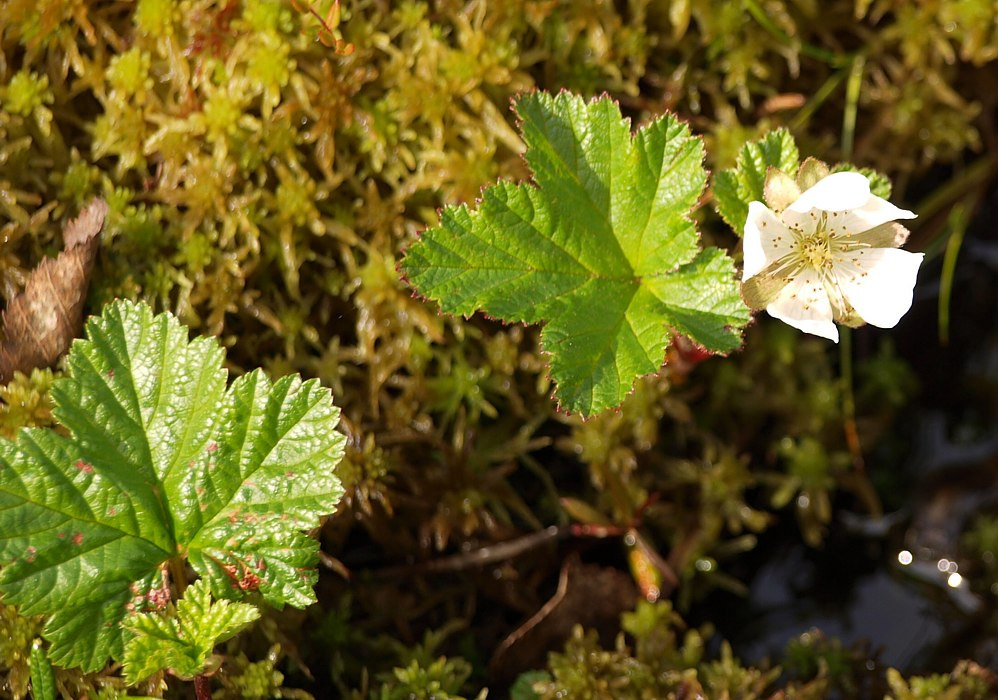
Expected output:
(202, 687)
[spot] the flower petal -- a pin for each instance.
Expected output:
(804, 304)
(766, 240)
(878, 283)
(837, 192)
(851, 207)
(875, 212)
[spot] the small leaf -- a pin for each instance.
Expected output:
(182, 640)
(42, 675)
(734, 188)
(41, 321)
(602, 250)
(160, 460)
(332, 20)
(584, 513)
(679, 17)
(326, 38)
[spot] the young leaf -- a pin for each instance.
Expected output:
(182, 642)
(602, 250)
(734, 188)
(42, 675)
(161, 462)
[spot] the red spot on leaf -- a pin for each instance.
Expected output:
(84, 466)
(31, 555)
(244, 580)
(212, 446)
(61, 535)
(110, 374)
(77, 538)
(249, 582)
(158, 597)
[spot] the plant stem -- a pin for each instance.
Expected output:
(818, 98)
(853, 87)
(178, 572)
(202, 687)
(957, 227)
(848, 400)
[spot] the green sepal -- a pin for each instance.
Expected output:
(889, 235)
(780, 190)
(811, 171)
(759, 291)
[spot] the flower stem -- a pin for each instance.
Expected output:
(957, 226)
(848, 399)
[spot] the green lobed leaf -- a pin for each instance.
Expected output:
(161, 461)
(602, 249)
(734, 188)
(182, 641)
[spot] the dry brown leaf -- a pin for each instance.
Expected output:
(41, 321)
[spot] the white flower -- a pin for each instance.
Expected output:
(830, 256)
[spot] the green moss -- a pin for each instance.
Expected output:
(24, 402)
(154, 18)
(17, 633)
(26, 92)
(267, 16)
(129, 73)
